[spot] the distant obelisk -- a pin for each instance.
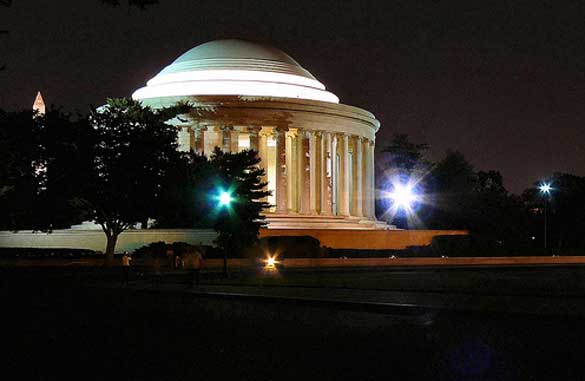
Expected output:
(39, 105)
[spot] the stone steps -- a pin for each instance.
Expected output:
(276, 221)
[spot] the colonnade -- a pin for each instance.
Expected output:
(310, 172)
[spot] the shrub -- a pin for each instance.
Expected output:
(42, 253)
(159, 249)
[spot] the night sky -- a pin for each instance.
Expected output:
(504, 84)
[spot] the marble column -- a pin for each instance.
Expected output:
(345, 180)
(191, 131)
(213, 138)
(365, 178)
(325, 172)
(183, 139)
(313, 166)
(234, 140)
(334, 174)
(291, 170)
(357, 178)
(199, 136)
(226, 138)
(253, 134)
(371, 192)
(281, 173)
(304, 173)
(263, 154)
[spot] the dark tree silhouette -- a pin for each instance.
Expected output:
(142, 4)
(405, 155)
(185, 197)
(133, 150)
(566, 209)
(41, 157)
(190, 197)
(238, 224)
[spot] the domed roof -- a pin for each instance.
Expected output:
(235, 67)
(236, 55)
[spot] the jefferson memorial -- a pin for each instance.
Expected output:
(318, 154)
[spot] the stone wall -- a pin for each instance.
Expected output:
(132, 239)
(96, 239)
(365, 239)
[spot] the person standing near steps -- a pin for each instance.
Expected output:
(196, 266)
(125, 268)
(156, 274)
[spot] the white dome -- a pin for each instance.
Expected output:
(235, 67)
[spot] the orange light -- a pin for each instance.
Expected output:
(270, 262)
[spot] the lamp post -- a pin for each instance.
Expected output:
(224, 200)
(545, 189)
(403, 195)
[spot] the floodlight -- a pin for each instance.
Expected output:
(225, 198)
(545, 188)
(403, 196)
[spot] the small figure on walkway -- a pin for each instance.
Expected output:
(171, 258)
(125, 268)
(156, 276)
(178, 262)
(196, 266)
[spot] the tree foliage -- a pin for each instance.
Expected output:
(41, 155)
(454, 194)
(185, 196)
(190, 199)
(133, 150)
(405, 155)
(565, 210)
(240, 175)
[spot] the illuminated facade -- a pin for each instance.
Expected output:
(318, 154)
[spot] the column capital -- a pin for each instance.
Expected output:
(265, 132)
(277, 132)
(254, 130)
(341, 135)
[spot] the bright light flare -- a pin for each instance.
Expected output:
(224, 198)
(270, 262)
(545, 188)
(403, 196)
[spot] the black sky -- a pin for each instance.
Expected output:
(502, 82)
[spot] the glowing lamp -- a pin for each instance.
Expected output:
(270, 262)
(224, 199)
(545, 188)
(403, 196)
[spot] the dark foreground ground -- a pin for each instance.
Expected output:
(57, 325)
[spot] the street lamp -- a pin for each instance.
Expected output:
(545, 190)
(403, 196)
(224, 200)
